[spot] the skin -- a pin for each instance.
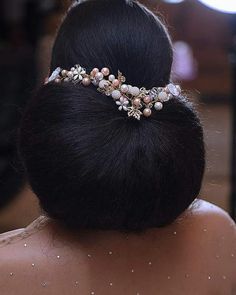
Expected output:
(194, 255)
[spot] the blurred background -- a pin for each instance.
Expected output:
(204, 62)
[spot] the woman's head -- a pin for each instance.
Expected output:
(89, 164)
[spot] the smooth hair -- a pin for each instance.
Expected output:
(90, 165)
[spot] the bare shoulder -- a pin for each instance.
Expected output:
(210, 215)
(214, 232)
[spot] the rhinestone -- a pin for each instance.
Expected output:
(25, 245)
(209, 277)
(173, 89)
(153, 93)
(111, 284)
(110, 253)
(168, 278)
(76, 283)
(92, 293)
(11, 274)
(132, 270)
(150, 263)
(58, 256)
(44, 284)
(224, 277)
(89, 255)
(205, 230)
(175, 233)
(232, 254)
(33, 265)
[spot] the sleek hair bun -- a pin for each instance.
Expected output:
(90, 165)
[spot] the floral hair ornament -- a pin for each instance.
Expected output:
(136, 101)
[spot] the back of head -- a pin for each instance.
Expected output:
(93, 167)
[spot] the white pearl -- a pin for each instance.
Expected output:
(70, 74)
(134, 91)
(124, 88)
(111, 78)
(99, 76)
(129, 88)
(102, 84)
(116, 94)
(158, 106)
(162, 96)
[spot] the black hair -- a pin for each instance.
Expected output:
(93, 167)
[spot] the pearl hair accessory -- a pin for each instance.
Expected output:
(136, 101)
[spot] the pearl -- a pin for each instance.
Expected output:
(129, 88)
(150, 263)
(147, 112)
(11, 274)
(224, 277)
(89, 255)
(116, 94)
(64, 73)
(58, 256)
(94, 71)
(158, 106)
(103, 83)
(111, 284)
(136, 102)
(25, 245)
(124, 88)
(162, 96)
(209, 277)
(86, 81)
(147, 99)
(105, 71)
(33, 265)
(135, 91)
(69, 74)
(110, 253)
(111, 78)
(115, 82)
(168, 277)
(99, 76)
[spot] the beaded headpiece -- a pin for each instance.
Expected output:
(136, 101)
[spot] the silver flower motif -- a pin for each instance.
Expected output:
(123, 104)
(78, 73)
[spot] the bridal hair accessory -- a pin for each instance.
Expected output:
(136, 101)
